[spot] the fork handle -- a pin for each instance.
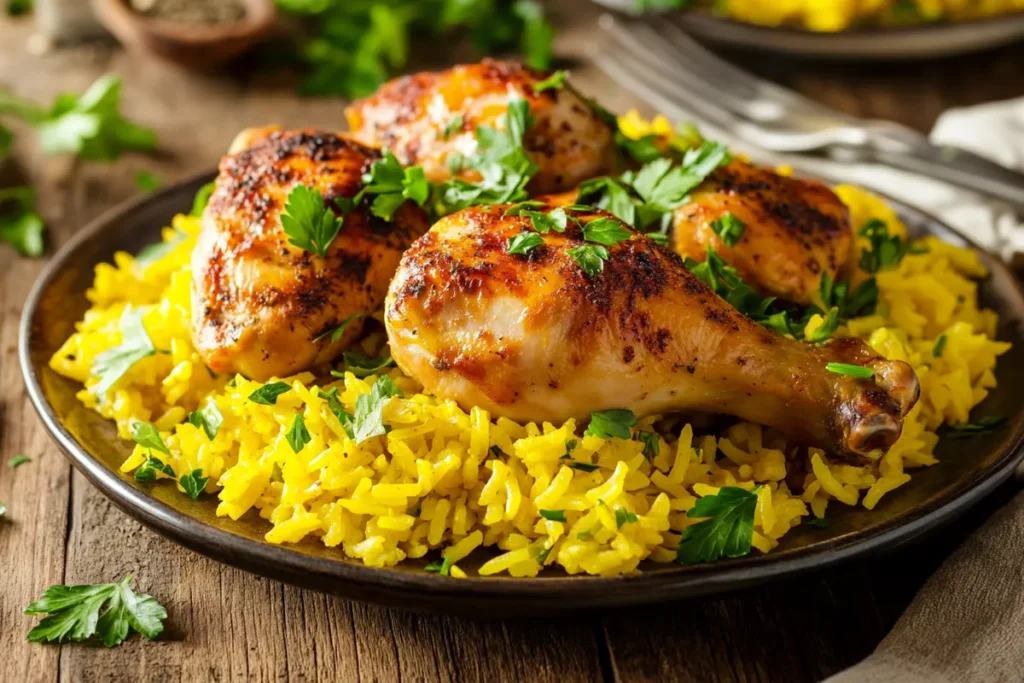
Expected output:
(959, 167)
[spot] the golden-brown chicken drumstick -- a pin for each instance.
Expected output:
(263, 307)
(794, 230)
(533, 337)
(427, 117)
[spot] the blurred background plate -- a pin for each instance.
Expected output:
(922, 41)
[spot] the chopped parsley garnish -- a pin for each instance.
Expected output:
(209, 419)
(553, 515)
(729, 229)
(443, 567)
(968, 429)
(18, 460)
(108, 611)
(194, 483)
(614, 423)
(556, 219)
(112, 364)
(146, 181)
(828, 327)
(885, 251)
(362, 365)
(651, 442)
(642, 150)
(940, 345)
(658, 237)
(555, 81)
(21, 226)
(454, 126)
(268, 393)
(148, 470)
(298, 436)
(148, 436)
(612, 195)
(623, 517)
(584, 466)
(202, 198)
(818, 522)
(604, 230)
(369, 418)
(664, 186)
(727, 531)
(392, 185)
(501, 161)
(856, 371)
(339, 331)
(334, 403)
(589, 257)
(308, 221)
(524, 243)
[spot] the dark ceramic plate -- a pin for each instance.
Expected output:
(967, 471)
(920, 41)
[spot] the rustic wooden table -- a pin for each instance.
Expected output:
(225, 624)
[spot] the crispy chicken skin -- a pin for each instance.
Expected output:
(795, 229)
(409, 115)
(535, 338)
(259, 304)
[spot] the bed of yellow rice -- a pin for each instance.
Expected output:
(448, 479)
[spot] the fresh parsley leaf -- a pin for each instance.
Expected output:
(856, 371)
(604, 230)
(308, 222)
(652, 444)
(109, 611)
(268, 393)
(202, 198)
(18, 460)
(553, 515)
(555, 219)
(611, 423)
(584, 466)
(369, 418)
(664, 186)
(862, 300)
(818, 522)
(148, 470)
(537, 36)
(334, 403)
(642, 150)
(570, 446)
(339, 331)
(968, 429)
(16, 8)
(112, 364)
(524, 242)
(146, 181)
(728, 530)
(612, 195)
(148, 436)
(885, 251)
(555, 81)
(362, 365)
(828, 327)
(623, 517)
(209, 419)
(729, 229)
(298, 436)
(20, 225)
(392, 185)
(658, 237)
(194, 483)
(443, 567)
(940, 345)
(454, 126)
(589, 257)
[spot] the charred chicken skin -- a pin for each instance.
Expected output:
(263, 307)
(428, 117)
(533, 337)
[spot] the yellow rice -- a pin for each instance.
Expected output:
(434, 481)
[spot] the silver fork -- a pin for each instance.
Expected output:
(657, 61)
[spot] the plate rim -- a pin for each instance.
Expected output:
(282, 562)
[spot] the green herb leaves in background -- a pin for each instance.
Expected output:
(727, 531)
(107, 611)
(147, 182)
(113, 363)
(16, 8)
(355, 45)
(20, 225)
(202, 198)
(308, 221)
(611, 423)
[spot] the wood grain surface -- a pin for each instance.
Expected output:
(226, 625)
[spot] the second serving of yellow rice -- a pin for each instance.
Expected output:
(442, 478)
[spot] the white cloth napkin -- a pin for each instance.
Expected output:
(967, 623)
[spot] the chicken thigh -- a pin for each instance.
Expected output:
(533, 337)
(428, 117)
(263, 307)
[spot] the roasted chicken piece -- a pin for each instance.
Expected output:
(794, 230)
(427, 117)
(263, 307)
(533, 337)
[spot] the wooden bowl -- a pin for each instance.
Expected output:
(194, 46)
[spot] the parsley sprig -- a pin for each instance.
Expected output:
(108, 611)
(308, 220)
(111, 365)
(727, 530)
(21, 226)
